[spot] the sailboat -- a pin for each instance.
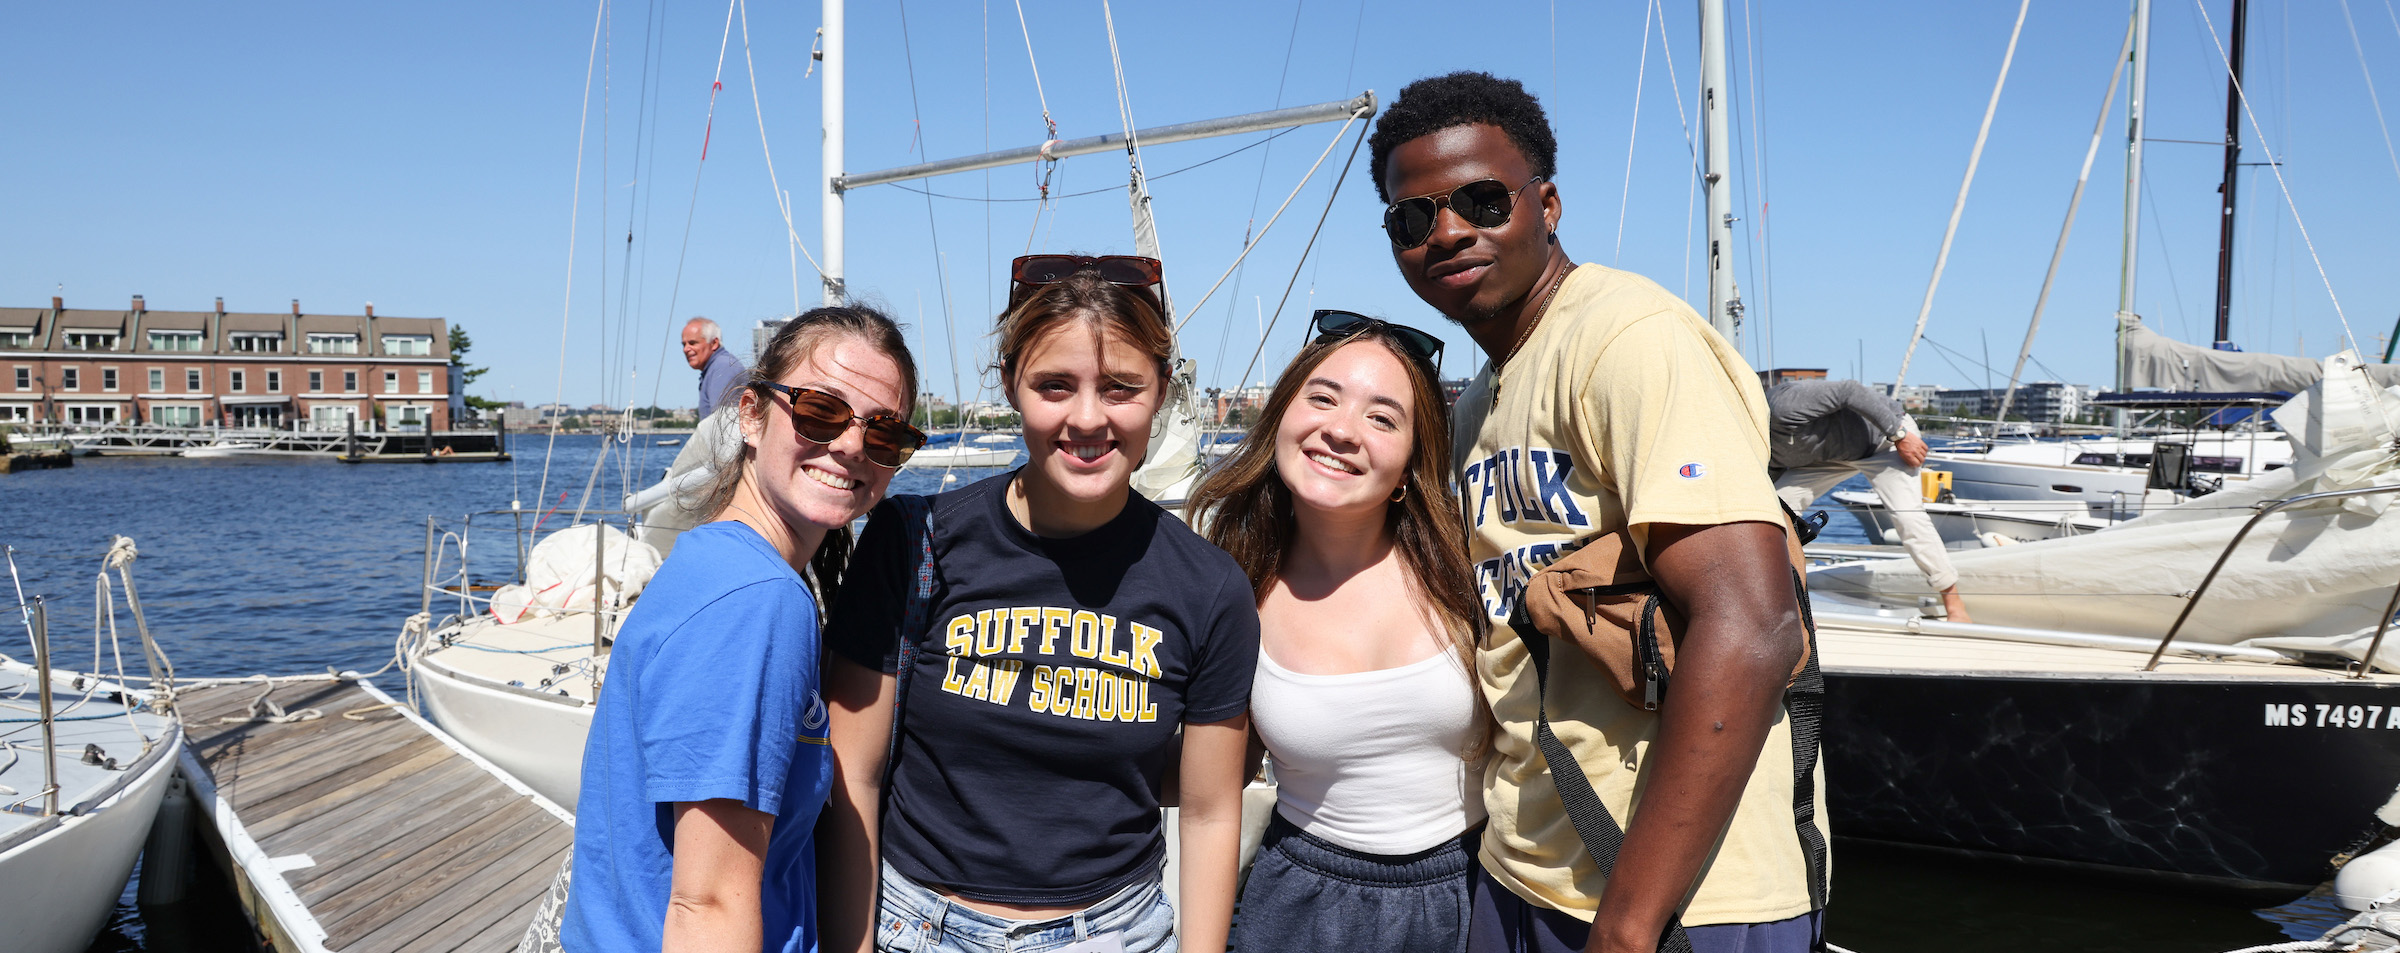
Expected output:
(2200, 692)
(87, 761)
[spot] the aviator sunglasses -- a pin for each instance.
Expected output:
(1335, 325)
(1483, 203)
(1031, 271)
(820, 418)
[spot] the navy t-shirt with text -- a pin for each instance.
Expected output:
(1046, 691)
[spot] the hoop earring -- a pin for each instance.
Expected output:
(1400, 493)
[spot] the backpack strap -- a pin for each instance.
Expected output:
(1602, 837)
(917, 512)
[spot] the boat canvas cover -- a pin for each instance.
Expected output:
(2155, 360)
(561, 570)
(2308, 578)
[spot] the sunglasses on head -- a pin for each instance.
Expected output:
(1336, 325)
(821, 418)
(1032, 271)
(1484, 203)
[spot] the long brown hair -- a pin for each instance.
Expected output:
(1246, 509)
(793, 344)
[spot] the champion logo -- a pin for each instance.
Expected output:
(1691, 471)
(814, 717)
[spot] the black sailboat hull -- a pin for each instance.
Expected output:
(2242, 781)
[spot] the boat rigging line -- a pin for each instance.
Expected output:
(2371, 96)
(1641, 71)
(2242, 98)
(1271, 219)
(1312, 243)
(574, 213)
(2108, 105)
(1258, 187)
(1959, 207)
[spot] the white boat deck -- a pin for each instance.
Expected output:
(1853, 649)
(528, 653)
(87, 716)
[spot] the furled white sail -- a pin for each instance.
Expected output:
(2315, 576)
(2155, 360)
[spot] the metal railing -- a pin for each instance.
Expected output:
(2265, 507)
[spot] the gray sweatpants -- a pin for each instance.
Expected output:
(1903, 496)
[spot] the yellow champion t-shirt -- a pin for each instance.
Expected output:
(1622, 408)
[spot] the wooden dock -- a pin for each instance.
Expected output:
(373, 833)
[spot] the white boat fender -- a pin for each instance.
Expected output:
(2368, 877)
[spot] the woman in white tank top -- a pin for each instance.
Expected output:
(1338, 506)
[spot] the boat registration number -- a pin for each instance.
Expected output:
(2331, 716)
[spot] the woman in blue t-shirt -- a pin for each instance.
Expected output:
(1338, 507)
(1070, 629)
(707, 762)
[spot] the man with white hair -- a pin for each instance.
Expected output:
(720, 371)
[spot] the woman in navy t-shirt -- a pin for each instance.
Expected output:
(1073, 627)
(707, 762)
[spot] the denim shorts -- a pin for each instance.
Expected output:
(915, 919)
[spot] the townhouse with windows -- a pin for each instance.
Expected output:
(220, 368)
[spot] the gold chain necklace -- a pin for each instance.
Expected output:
(1525, 335)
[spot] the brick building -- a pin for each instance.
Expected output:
(228, 369)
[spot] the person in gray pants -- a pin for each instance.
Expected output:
(1823, 432)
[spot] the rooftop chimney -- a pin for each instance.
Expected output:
(137, 303)
(220, 304)
(57, 303)
(295, 307)
(370, 309)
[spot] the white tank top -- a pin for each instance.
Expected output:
(1371, 760)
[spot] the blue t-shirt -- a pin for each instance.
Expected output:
(712, 692)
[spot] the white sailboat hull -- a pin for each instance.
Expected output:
(537, 738)
(57, 890)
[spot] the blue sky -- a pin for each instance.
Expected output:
(424, 157)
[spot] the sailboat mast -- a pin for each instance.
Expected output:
(1724, 301)
(2233, 161)
(835, 290)
(2135, 103)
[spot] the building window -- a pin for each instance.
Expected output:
(174, 340)
(333, 344)
(191, 380)
(391, 382)
(316, 382)
(331, 418)
(108, 379)
(251, 342)
(16, 339)
(349, 382)
(24, 377)
(424, 382)
(91, 340)
(70, 378)
(175, 416)
(16, 413)
(274, 382)
(408, 345)
(87, 414)
(409, 415)
(158, 380)
(234, 381)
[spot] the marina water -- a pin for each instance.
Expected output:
(283, 565)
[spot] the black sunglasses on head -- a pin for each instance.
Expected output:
(821, 418)
(1335, 325)
(1483, 203)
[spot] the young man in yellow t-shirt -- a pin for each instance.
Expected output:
(1608, 404)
